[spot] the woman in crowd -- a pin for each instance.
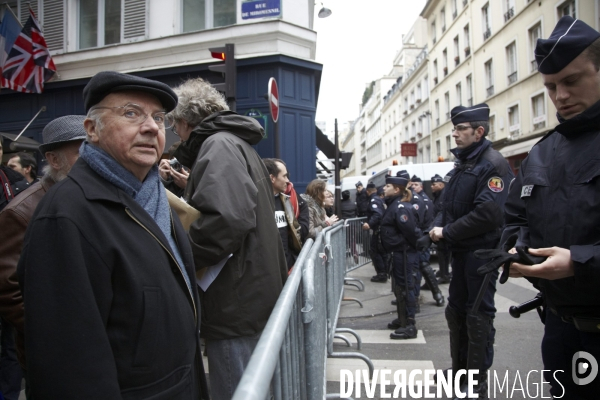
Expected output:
(315, 198)
(399, 234)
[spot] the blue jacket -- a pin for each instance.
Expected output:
(472, 213)
(555, 201)
(399, 226)
(375, 211)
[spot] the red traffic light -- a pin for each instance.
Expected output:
(219, 55)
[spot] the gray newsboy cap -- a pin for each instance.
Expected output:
(106, 82)
(62, 130)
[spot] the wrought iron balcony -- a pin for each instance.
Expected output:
(490, 91)
(512, 78)
(534, 65)
(487, 34)
(509, 14)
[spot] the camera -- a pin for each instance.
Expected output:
(175, 164)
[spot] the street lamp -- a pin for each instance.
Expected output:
(324, 12)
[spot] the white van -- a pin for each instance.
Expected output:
(349, 183)
(423, 171)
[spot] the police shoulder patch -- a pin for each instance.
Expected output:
(404, 218)
(526, 190)
(495, 184)
(372, 200)
(416, 206)
(400, 205)
(374, 205)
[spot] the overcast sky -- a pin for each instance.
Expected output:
(357, 45)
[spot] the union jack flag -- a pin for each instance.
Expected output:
(29, 64)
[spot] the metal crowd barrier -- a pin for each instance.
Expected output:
(290, 359)
(358, 244)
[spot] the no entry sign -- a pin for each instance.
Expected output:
(274, 99)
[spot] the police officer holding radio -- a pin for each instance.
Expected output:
(471, 219)
(554, 208)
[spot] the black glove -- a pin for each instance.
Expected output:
(423, 243)
(501, 257)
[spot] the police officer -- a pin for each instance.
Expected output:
(437, 190)
(362, 200)
(374, 215)
(471, 219)
(424, 268)
(399, 234)
(348, 206)
(554, 208)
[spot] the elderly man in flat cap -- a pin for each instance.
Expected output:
(472, 219)
(554, 209)
(111, 307)
(62, 138)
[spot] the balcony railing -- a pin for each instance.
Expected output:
(435, 80)
(467, 51)
(437, 122)
(487, 34)
(512, 78)
(445, 71)
(469, 102)
(490, 91)
(465, 2)
(447, 115)
(454, 14)
(434, 40)
(534, 65)
(509, 14)
(443, 28)
(456, 61)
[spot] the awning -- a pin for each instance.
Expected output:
(518, 148)
(24, 143)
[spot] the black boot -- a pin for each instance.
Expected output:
(399, 322)
(432, 283)
(409, 332)
(444, 272)
(379, 278)
(457, 329)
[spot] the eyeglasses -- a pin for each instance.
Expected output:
(460, 128)
(134, 114)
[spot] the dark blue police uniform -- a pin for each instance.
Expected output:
(443, 255)
(555, 201)
(399, 234)
(472, 218)
(374, 215)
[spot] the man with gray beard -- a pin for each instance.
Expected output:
(62, 139)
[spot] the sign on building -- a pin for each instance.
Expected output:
(408, 149)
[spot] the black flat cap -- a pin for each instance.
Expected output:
(568, 40)
(396, 180)
(479, 112)
(62, 130)
(106, 82)
(371, 185)
(415, 179)
(359, 183)
(379, 191)
(437, 178)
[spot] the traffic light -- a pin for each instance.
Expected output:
(228, 69)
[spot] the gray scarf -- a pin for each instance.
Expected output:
(149, 194)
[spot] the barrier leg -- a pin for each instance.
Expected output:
(353, 333)
(344, 338)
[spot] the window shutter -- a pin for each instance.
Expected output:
(134, 21)
(25, 10)
(53, 23)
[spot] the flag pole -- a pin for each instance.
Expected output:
(7, 7)
(32, 119)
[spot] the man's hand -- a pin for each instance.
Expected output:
(557, 266)
(436, 234)
(366, 227)
(180, 178)
(164, 169)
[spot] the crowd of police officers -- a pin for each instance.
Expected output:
(542, 225)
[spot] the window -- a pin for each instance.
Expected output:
(443, 19)
(448, 146)
(489, 78)
(467, 41)
(437, 112)
(394, 151)
(513, 121)
(412, 99)
(492, 131)
(534, 34)
(511, 62)
(405, 105)
(538, 108)
(433, 32)
(406, 134)
(485, 19)
(456, 52)
(454, 8)
(445, 61)
(105, 22)
(567, 8)
(420, 126)
(469, 91)
(419, 96)
(458, 94)
(413, 130)
(438, 148)
(426, 87)
(206, 14)
(447, 104)
(509, 9)
(435, 72)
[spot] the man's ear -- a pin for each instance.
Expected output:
(53, 159)
(272, 178)
(479, 132)
(92, 130)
